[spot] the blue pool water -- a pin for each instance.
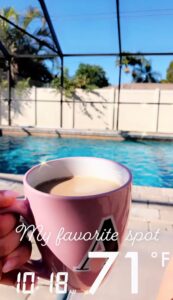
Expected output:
(151, 163)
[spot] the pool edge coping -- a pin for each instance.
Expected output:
(84, 133)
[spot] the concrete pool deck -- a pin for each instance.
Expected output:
(152, 210)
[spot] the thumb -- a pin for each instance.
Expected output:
(7, 198)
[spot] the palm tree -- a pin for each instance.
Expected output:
(145, 74)
(18, 43)
(140, 68)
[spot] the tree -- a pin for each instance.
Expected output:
(69, 83)
(18, 43)
(87, 77)
(140, 69)
(90, 76)
(169, 73)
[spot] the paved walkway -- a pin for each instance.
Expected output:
(151, 214)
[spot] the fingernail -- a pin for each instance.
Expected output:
(7, 198)
(10, 265)
(9, 193)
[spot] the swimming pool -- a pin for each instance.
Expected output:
(151, 163)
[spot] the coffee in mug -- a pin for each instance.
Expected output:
(77, 186)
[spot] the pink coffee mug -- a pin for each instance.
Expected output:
(68, 218)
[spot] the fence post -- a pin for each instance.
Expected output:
(158, 109)
(35, 94)
(114, 103)
(62, 92)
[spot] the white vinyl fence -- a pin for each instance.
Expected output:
(138, 110)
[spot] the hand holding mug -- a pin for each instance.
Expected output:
(13, 254)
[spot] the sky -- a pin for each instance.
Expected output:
(90, 26)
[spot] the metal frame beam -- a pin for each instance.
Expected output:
(44, 56)
(120, 55)
(9, 91)
(62, 92)
(89, 54)
(41, 56)
(118, 27)
(7, 57)
(51, 55)
(51, 27)
(146, 53)
(59, 51)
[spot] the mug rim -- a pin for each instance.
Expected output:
(87, 197)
